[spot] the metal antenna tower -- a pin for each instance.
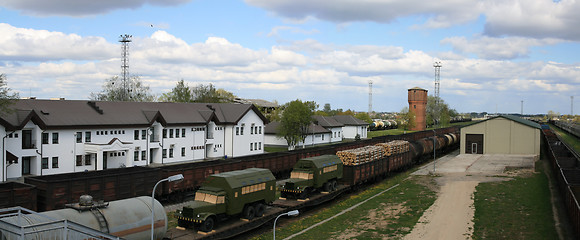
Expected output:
(437, 66)
(522, 111)
(125, 40)
(370, 96)
(572, 106)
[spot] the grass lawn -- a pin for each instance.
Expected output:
(390, 215)
(516, 209)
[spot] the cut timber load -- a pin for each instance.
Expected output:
(394, 147)
(361, 155)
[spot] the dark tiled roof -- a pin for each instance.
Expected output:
(258, 102)
(349, 120)
(79, 113)
(327, 121)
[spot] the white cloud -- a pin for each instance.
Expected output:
(538, 19)
(80, 8)
(497, 48)
(22, 44)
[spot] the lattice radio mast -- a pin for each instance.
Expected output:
(437, 66)
(125, 40)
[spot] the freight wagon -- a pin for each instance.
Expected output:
(113, 184)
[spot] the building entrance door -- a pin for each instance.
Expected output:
(25, 166)
(474, 143)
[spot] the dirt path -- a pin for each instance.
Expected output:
(451, 215)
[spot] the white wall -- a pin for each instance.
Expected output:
(246, 138)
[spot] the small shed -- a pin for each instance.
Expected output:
(504, 134)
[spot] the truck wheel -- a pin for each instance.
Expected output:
(207, 225)
(304, 194)
(327, 187)
(334, 185)
(183, 223)
(260, 208)
(249, 212)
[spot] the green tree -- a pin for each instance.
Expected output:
(180, 93)
(327, 108)
(440, 112)
(132, 90)
(209, 94)
(6, 97)
(295, 122)
(407, 121)
(364, 116)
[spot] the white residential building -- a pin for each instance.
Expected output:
(352, 126)
(316, 135)
(42, 137)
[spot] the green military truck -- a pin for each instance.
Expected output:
(312, 174)
(226, 194)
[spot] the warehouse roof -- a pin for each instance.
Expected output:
(513, 118)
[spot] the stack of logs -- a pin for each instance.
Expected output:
(360, 155)
(394, 147)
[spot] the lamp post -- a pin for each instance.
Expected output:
(173, 178)
(434, 147)
(291, 213)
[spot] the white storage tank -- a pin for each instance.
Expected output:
(127, 219)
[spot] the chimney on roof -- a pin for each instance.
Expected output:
(95, 107)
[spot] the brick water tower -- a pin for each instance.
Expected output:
(418, 105)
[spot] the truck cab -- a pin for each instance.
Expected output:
(312, 174)
(243, 192)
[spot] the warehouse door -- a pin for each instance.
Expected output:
(474, 143)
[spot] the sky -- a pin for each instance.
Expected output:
(494, 53)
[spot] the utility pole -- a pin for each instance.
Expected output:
(370, 97)
(522, 110)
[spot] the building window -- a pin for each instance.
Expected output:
(164, 153)
(79, 137)
(176, 133)
(136, 156)
(136, 135)
(54, 138)
(44, 163)
(88, 159)
(252, 129)
(171, 153)
(260, 129)
(44, 138)
(237, 130)
(323, 137)
(242, 129)
(170, 133)
(143, 155)
(183, 132)
(88, 137)
(54, 162)
(414, 106)
(79, 160)
(260, 146)
(143, 134)
(164, 133)
(251, 146)
(183, 152)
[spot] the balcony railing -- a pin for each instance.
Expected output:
(154, 138)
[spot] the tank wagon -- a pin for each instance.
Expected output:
(128, 219)
(227, 194)
(312, 174)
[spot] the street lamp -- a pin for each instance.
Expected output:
(173, 178)
(291, 213)
(434, 146)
